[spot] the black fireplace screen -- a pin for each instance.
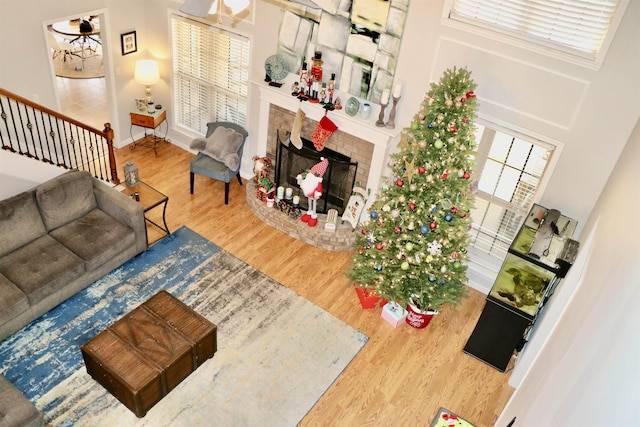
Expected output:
(337, 182)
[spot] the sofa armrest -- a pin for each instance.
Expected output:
(124, 209)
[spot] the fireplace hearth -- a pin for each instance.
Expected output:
(338, 180)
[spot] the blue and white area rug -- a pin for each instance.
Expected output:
(277, 352)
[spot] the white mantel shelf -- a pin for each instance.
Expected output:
(382, 138)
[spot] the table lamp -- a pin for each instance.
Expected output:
(147, 74)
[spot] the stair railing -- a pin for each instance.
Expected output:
(40, 133)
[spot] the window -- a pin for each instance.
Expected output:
(510, 170)
(579, 27)
(210, 74)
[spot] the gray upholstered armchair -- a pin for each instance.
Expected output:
(220, 154)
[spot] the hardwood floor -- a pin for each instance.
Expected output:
(402, 376)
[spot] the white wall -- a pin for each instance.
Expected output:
(587, 372)
(12, 174)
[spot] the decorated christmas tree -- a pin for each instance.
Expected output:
(413, 248)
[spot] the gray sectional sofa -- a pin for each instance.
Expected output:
(55, 240)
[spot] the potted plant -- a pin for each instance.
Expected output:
(412, 250)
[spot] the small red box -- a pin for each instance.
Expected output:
(369, 299)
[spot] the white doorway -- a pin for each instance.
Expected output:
(80, 72)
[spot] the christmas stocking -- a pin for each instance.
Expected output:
(324, 130)
(296, 128)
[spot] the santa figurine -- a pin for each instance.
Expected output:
(310, 183)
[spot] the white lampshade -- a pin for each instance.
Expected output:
(147, 72)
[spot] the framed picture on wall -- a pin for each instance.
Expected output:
(129, 42)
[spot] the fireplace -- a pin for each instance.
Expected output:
(337, 181)
(358, 140)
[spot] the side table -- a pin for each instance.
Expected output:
(151, 121)
(149, 198)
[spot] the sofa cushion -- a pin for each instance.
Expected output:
(41, 268)
(95, 237)
(65, 198)
(15, 409)
(12, 300)
(20, 221)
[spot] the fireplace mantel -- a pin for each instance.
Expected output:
(382, 138)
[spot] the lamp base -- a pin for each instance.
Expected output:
(148, 97)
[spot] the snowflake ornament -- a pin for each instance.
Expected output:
(434, 248)
(371, 238)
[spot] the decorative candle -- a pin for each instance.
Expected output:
(397, 91)
(288, 193)
(296, 200)
(280, 193)
(384, 99)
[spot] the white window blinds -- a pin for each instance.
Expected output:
(211, 74)
(510, 171)
(575, 26)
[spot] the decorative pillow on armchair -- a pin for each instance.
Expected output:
(222, 145)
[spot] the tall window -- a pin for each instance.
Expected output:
(579, 27)
(510, 170)
(210, 74)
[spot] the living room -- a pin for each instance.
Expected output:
(596, 106)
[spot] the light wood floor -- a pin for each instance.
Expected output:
(402, 376)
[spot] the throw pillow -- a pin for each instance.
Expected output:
(222, 145)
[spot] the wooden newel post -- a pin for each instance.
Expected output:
(112, 158)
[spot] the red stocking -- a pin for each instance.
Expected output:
(324, 130)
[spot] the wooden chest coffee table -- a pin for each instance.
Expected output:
(148, 352)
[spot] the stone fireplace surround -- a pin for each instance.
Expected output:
(357, 138)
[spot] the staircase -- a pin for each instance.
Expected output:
(35, 132)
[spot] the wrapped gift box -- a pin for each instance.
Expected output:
(263, 193)
(394, 314)
(368, 298)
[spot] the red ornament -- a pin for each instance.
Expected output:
(380, 221)
(398, 229)
(433, 225)
(412, 206)
(445, 174)
(379, 246)
(453, 129)
(421, 170)
(463, 99)
(470, 94)
(454, 255)
(454, 210)
(363, 231)
(464, 215)
(466, 175)
(465, 119)
(399, 183)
